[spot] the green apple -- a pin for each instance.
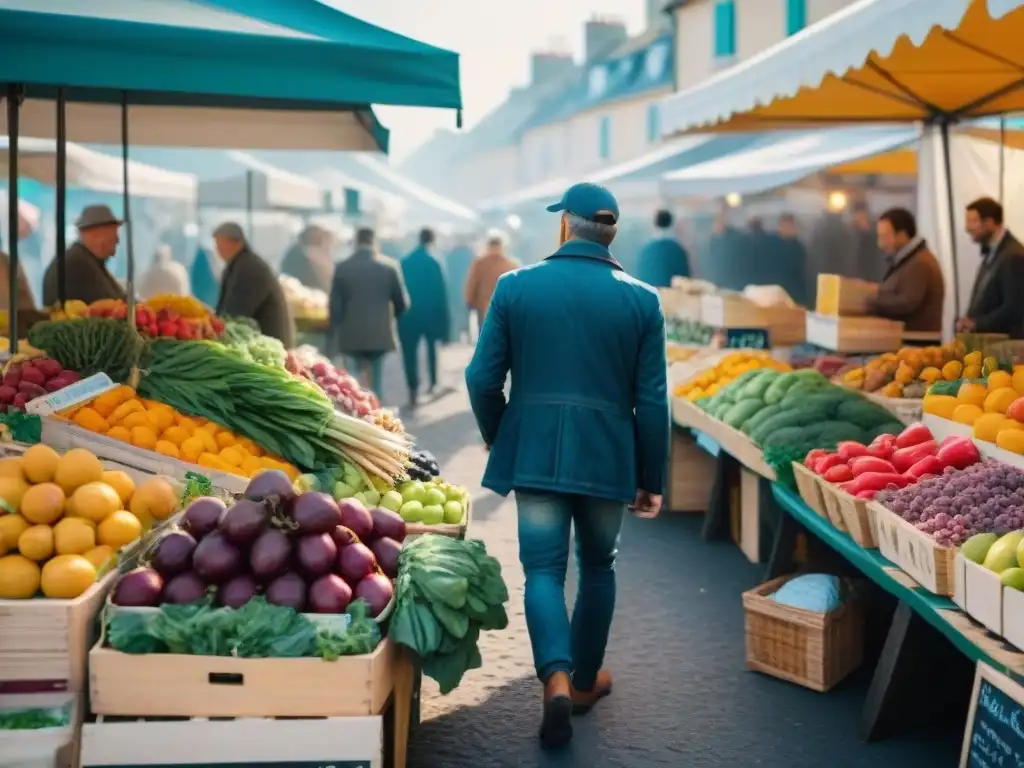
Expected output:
(452, 512)
(433, 514)
(372, 497)
(434, 496)
(413, 491)
(412, 511)
(392, 500)
(361, 498)
(454, 493)
(343, 491)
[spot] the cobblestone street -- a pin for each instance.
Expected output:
(683, 696)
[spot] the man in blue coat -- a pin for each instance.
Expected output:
(584, 433)
(663, 257)
(427, 318)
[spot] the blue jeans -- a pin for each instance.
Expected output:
(544, 522)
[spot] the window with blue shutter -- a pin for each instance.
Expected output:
(653, 123)
(604, 138)
(725, 28)
(796, 16)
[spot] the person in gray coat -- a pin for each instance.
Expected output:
(86, 276)
(367, 295)
(249, 287)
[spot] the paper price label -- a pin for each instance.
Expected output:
(80, 392)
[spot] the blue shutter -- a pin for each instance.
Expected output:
(604, 138)
(796, 16)
(725, 28)
(653, 124)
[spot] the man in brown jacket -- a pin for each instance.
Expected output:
(913, 288)
(484, 273)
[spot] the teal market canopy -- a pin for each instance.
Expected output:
(240, 73)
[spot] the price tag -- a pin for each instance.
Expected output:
(742, 338)
(80, 392)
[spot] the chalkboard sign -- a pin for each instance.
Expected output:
(742, 338)
(994, 737)
(272, 764)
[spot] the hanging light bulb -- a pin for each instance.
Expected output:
(514, 222)
(837, 201)
(733, 199)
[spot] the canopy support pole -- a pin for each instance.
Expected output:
(15, 94)
(60, 195)
(947, 163)
(1002, 159)
(248, 204)
(129, 244)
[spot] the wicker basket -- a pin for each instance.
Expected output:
(810, 649)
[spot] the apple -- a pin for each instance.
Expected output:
(454, 493)
(432, 514)
(361, 497)
(434, 496)
(412, 511)
(391, 500)
(343, 490)
(371, 498)
(452, 512)
(413, 491)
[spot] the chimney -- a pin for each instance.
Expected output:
(602, 36)
(545, 66)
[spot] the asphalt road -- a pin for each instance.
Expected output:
(683, 696)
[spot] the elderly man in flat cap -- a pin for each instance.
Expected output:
(249, 287)
(86, 274)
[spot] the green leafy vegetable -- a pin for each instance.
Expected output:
(34, 719)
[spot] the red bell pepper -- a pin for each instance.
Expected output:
(863, 464)
(850, 449)
(915, 434)
(813, 456)
(169, 328)
(929, 465)
(905, 458)
(840, 473)
(875, 481)
(960, 453)
(826, 463)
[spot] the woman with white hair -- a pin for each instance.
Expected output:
(485, 271)
(164, 276)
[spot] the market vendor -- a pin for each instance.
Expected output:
(86, 276)
(28, 220)
(997, 298)
(913, 289)
(249, 287)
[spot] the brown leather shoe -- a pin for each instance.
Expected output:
(584, 701)
(556, 727)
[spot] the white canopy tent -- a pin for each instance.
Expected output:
(420, 202)
(261, 186)
(89, 169)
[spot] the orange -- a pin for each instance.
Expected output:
(76, 468)
(39, 463)
(144, 437)
(167, 448)
(119, 529)
(175, 434)
(43, 504)
(96, 501)
(120, 433)
(120, 482)
(66, 577)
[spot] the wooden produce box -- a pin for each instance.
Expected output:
(856, 518)
(691, 475)
(843, 296)
(853, 335)
(907, 409)
(676, 302)
(979, 593)
(167, 685)
(814, 650)
(787, 326)
(1013, 617)
(833, 510)
(809, 485)
(916, 553)
(731, 311)
(39, 747)
(335, 742)
(451, 530)
(45, 643)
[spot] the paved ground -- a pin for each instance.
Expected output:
(683, 697)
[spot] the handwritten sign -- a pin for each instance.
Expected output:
(80, 392)
(994, 737)
(742, 338)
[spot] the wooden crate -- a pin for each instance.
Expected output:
(853, 335)
(916, 553)
(856, 520)
(808, 484)
(164, 685)
(344, 742)
(50, 747)
(906, 409)
(739, 446)
(810, 649)
(676, 302)
(451, 530)
(691, 475)
(787, 326)
(731, 311)
(843, 296)
(48, 641)
(832, 508)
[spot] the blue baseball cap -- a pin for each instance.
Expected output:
(587, 201)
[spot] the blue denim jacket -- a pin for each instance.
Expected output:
(588, 411)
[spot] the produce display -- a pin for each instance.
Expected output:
(677, 354)
(165, 316)
(711, 381)
(447, 592)
(994, 408)
(123, 415)
(342, 388)
(911, 371)
(242, 336)
(305, 303)
(1003, 555)
(65, 518)
(891, 461)
(302, 551)
(26, 378)
(986, 497)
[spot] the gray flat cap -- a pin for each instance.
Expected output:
(96, 216)
(231, 231)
